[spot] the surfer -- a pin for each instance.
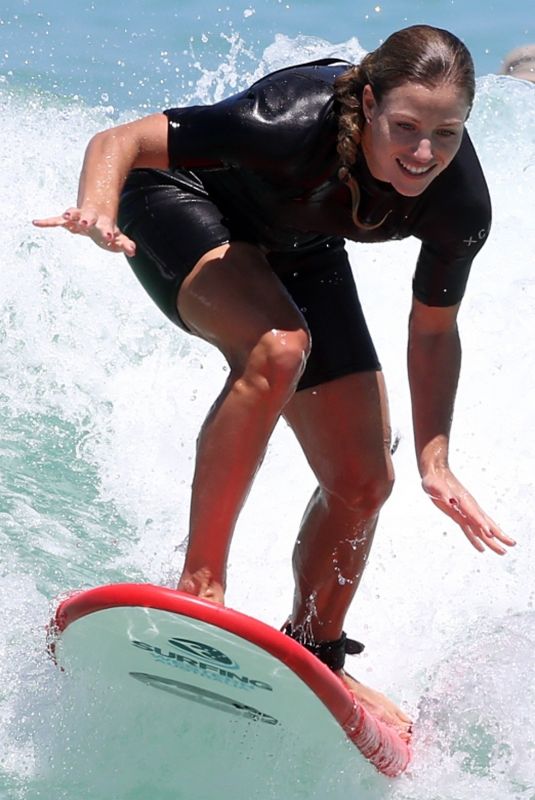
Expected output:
(234, 217)
(520, 63)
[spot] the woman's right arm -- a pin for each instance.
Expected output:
(109, 157)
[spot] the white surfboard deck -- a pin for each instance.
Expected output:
(197, 700)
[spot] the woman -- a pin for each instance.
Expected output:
(234, 216)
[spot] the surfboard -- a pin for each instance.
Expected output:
(208, 698)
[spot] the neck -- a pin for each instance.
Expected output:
(367, 150)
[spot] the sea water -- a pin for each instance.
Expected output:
(101, 398)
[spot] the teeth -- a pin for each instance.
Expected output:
(414, 170)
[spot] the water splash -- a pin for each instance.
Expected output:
(100, 403)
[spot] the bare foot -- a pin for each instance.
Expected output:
(202, 584)
(380, 706)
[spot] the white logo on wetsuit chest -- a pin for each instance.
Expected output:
(478, 237)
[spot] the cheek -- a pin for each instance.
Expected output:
(383, 142)
(448, 150)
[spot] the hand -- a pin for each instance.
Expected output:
(448, 494)
(87, 222)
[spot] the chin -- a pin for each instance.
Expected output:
(410, 187)
(411, 191)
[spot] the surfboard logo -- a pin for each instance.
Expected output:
(204, 652)
(203, 660)
(220, 702)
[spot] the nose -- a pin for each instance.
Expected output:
(424, 151)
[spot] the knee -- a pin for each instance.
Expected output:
(365, 493)
(277, 362)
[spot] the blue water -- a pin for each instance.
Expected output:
(145, 53)
(101, 399)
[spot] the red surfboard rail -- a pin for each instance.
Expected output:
(377, 742)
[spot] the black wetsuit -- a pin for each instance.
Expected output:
(262, 167)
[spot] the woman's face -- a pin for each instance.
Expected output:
(413, 134)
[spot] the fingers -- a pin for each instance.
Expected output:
(113, 240)
(120, 244)
(480, 530)
(87, 222)
(48, 222)
(70, 217)
(494, 539)
(79, 220)
(493, 532)
(483, 540)
(125, 245)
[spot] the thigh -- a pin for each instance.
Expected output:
(201, 277)
(343, 427)
(174, 223)
(322, 286)
(232, 298)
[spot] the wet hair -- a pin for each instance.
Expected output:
(419, 54)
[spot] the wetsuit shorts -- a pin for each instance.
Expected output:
(173, 221)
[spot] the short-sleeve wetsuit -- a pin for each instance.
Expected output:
(262, 167)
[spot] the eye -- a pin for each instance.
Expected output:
(405, 126)
(446, 133)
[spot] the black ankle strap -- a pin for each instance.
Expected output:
(332, 653)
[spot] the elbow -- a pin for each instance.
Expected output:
(433, 320)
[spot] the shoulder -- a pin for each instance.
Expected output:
(303, 88)
(453, 226)
(312, 77)
(293, 96)
(462, 185)
(457, 207)
(269, 125)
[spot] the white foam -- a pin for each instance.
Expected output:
(81, 343)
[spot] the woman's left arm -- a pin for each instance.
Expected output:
(434, 360)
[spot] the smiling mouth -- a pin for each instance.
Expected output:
(415, 172)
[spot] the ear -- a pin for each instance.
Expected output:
(369, 104)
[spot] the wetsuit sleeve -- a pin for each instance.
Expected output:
(206, 136)
(453, 230)
(263, 127)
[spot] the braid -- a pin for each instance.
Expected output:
(348, 92)
(419, 54)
